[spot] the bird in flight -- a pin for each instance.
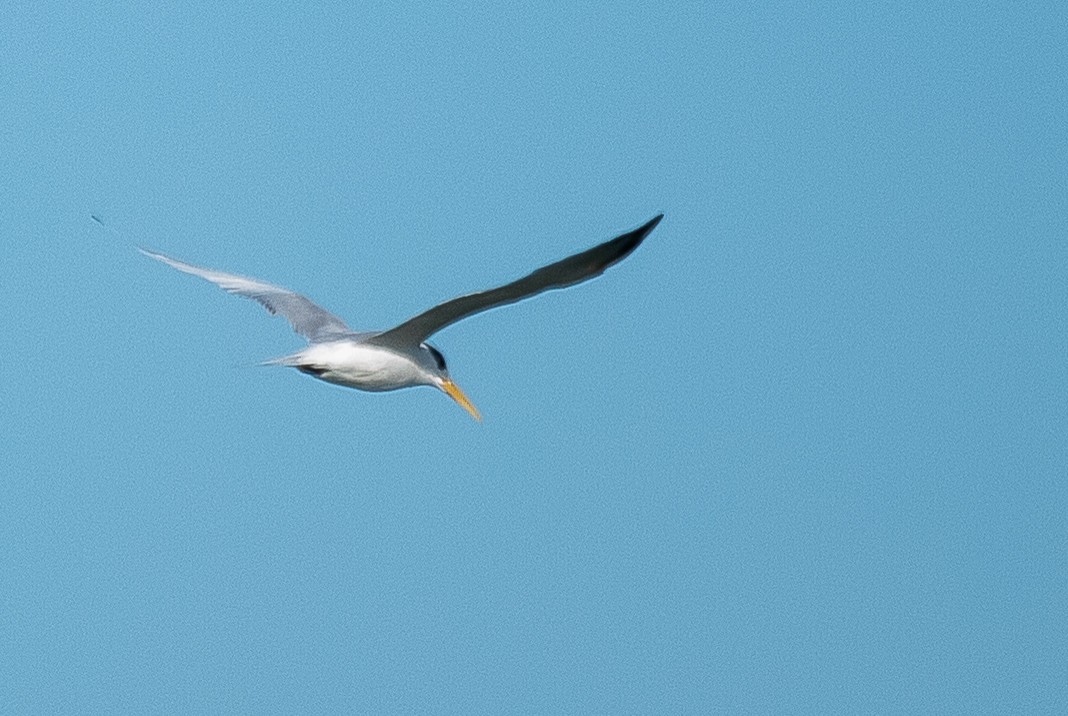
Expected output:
(400, 357)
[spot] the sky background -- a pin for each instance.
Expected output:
(804, 451)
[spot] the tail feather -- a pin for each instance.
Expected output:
(294, 360)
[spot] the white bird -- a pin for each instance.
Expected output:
(401, 357)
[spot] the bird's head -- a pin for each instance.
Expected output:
(434, 364)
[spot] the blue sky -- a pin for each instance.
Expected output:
(804, 451)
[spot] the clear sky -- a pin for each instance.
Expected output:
(803, 451)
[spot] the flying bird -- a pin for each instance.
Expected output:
(401, 357)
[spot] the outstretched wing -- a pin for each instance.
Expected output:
(568, 272)
(308, 319)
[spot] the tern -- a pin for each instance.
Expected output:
(401, 357)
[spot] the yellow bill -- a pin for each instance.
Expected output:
(458, 395)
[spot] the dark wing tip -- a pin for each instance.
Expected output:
(638, 235)
(645, 229)
(625, 243)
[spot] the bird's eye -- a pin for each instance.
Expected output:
(438, 358)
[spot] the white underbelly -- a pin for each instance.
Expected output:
(358, 365)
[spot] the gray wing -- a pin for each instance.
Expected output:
(309, 320)
(568, 272)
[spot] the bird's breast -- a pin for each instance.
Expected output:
(358, 365)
